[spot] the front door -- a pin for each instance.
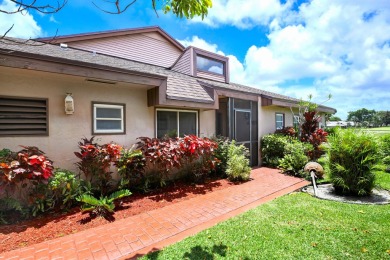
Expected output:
(242, 127)
(237, 119)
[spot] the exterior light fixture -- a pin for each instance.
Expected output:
(69, 104)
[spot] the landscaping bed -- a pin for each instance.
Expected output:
(50, 226)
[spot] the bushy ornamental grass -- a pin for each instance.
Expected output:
(238, 168)
(351, 158)
(385, 150)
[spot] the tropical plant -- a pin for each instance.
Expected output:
(352, 157)
(221, 154)
(104, 205)
(317, 138)
(273, 147)
(163, 155)
(198, 154)
(30, 163)
(65, 187)
(131, 166)
(385, 145)
(287, 131)
(238, 168)
(294, 159)
(9, 205)
(95, 162)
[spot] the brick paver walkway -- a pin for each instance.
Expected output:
(149, 231)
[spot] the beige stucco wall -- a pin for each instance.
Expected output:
(207, 123)
(66, 130)
(267, 115)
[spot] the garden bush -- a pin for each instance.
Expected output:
(221, 154)
(131, 167)
(294, 159)
(385, 145)
(238, 168)
(351, 158)
(95, 162)
(20, 174)
(273, 147)
(287, 131)
(164, 155)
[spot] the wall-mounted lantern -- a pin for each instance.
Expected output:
(69, 104)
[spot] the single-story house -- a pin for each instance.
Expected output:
(123, 84)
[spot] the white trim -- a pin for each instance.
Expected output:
(178, 118)
(276, 121)
(95, 119)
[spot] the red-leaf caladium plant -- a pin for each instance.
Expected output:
(30, 163)
(95, 161)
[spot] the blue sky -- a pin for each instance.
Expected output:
(296, 48)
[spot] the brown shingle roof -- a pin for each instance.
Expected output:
(179, 86)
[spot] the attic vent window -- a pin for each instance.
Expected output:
(210, 65)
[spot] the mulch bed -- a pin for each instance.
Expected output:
(50, 226)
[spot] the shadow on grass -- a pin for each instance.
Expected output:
(197, 252)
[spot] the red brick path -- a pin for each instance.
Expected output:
(150, 231)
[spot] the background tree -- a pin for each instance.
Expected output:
(363, 116)
(334, 118)
(181, 8)
(384, 118)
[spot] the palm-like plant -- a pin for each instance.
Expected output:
(352, 156)
(103, 205)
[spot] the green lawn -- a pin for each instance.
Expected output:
(383, 180)
(379, 130)
(295, 226)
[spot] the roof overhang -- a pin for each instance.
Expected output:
(29, 61)
(271, 101)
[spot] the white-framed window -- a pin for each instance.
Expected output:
(210, 65)
(176, 123)
(279, 121)
(108, 118)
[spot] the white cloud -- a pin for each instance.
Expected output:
(24, 25)
(343, 46)
(243, 14)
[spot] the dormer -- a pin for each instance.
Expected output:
(203, 64)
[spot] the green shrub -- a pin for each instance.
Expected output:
(104, 205)
(66, 187)
(352, 156)
(385, 149)
(4, 153)
(238, 164)
(294, 159)
(221, 153)
(131, 167)
(273, 147)
(60, 192)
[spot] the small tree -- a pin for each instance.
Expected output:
(309, 131)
